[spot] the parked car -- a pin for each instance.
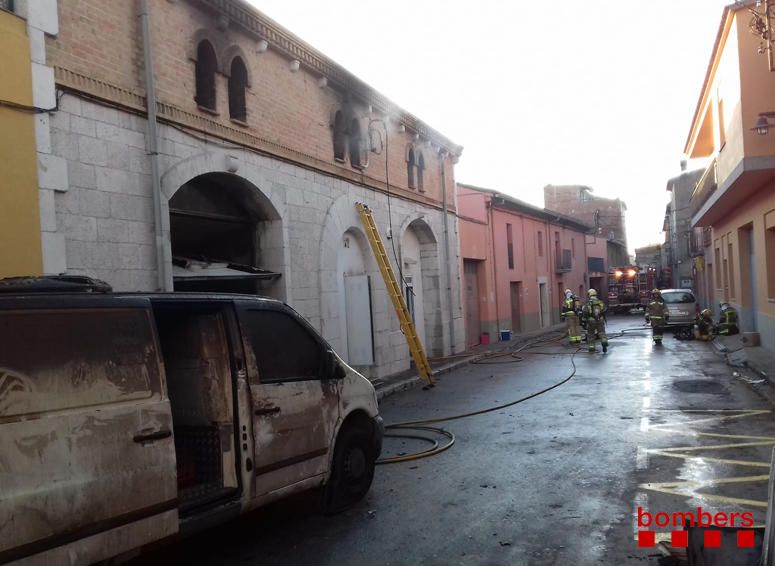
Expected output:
(128, 418)
(681, 306)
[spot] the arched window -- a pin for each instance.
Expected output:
(340, 136)
(420, 171)
(356, 143)
(205, 75)
(238, 82)
(410, 168)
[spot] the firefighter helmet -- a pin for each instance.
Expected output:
(724, 305)
(655, 293)
(591, 293)
(707, 313)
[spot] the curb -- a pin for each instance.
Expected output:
(415, 380)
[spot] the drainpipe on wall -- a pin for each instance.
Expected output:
(495, 273)
(447, 255)
(164, 281)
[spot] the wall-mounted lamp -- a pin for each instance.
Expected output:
(294, 65)
(401, 128)
(322, 82)
(763, 125)
(262, 46)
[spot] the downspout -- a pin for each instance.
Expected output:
(491, 219)
(448, 267)
(164, 281)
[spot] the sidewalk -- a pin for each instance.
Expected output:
(409, 379)
(759, 359)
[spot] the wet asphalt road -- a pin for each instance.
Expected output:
(554, 480)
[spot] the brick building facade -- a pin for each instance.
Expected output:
(263, 146)
(607, 245)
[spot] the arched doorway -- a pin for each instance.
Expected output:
(420, 270)
(354, 285)
(226, 237)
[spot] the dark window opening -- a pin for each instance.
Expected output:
(339, 136)
(410, 168)
(238, 82)
(284, 349)
(420, 170)
(355, 143)
(510, 245)
(205, 75)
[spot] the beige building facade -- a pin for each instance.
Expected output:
(241, 171)
(735, 197)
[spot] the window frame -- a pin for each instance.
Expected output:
(244, 308)
(420, 165)
(238, 97)
(140, 308)
(356, 139)
(339, 128)
(411, 162)
(510, 245)
(200, 74)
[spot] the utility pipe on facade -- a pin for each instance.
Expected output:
(494, 256)
(445, 224)
(163, 279)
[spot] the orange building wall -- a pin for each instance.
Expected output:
(483, 236)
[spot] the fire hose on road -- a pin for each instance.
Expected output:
(495, 358)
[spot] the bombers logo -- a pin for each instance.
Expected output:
(677, 520)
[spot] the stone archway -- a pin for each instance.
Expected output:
(355, 303)
(341, 223)
(420, 267)
(225, 236)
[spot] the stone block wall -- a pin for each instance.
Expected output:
(104, 215)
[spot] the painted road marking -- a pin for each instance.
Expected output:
(691, 488)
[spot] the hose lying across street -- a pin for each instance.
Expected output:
(493, 358)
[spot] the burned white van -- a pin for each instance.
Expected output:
(128, 418)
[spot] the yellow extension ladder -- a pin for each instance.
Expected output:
(394, 291)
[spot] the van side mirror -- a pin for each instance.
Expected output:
(333, 369)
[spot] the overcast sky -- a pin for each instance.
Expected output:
(591, 92)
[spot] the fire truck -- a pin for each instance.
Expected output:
(629, 287)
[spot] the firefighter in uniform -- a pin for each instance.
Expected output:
(594, 315)
(656, 314)
(704, 324)
(727, 323)
(568, 312)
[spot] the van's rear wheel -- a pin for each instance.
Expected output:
(352, 470)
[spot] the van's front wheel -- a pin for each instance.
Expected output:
(352, 470)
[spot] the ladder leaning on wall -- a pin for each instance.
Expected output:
(396, 296)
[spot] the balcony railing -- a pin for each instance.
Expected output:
(707, 236)
(704, 188)
(564, 262)
(696, 242)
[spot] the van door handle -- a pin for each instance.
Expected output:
(272, 410)
(151, 436)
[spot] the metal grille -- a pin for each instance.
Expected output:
(200, 462)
